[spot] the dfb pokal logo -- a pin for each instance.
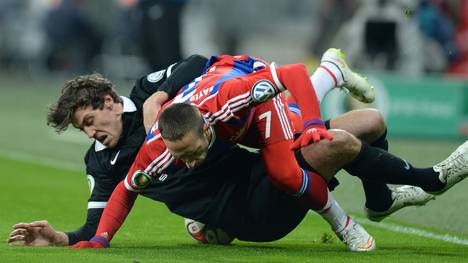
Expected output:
(262, 91)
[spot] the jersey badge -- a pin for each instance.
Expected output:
(263, 90)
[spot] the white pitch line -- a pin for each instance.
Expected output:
(414, 231)
(409, 230)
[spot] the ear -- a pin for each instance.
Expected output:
(108, 102)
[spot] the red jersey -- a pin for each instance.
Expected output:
(238, 97)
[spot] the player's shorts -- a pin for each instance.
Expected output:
(256, 210)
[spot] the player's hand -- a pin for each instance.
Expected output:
(151, 108)
(95, 242)
(313, 132)
(37, 233)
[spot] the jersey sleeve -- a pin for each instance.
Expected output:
(169, 80)
(152, 159)
(186, 71)
(101, 187)
(255, 88)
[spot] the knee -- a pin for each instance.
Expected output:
(376, 124)
(343, 142)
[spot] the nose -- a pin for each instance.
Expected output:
(90, 132)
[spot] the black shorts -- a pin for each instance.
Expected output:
(257, 210)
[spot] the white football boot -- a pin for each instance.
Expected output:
(358, 86)
(356, 237)
(453, 169)
(402, 196)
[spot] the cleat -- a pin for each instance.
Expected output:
(358, 86)
(453, 169)
(402, 196)
(356, 237)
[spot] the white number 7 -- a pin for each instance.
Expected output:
(266, 115)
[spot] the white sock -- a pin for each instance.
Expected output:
(334, 214)
(326, 77)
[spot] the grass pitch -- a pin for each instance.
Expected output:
(43, 178)
(152, 234)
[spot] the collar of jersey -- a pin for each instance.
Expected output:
(128, 106)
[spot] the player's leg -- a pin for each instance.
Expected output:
(333, 72)
(368, 125)
(274, 129)
(372, 163)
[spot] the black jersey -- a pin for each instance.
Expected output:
(106, 167)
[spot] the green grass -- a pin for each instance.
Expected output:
(42, 178)
(151, 233)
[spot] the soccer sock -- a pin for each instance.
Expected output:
(378, 195)
(316, 192)
(334, 214)
(326, 77)
(378, 165)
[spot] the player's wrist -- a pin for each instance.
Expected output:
(314, 123)
(101, 240)
(60, 239)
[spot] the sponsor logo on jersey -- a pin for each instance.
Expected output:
(263, 90)
(112, 162)
(156, 76)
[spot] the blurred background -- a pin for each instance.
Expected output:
(414, 51)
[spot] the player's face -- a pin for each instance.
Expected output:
(104, 125)
(192, 148)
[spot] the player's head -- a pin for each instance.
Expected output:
(91, 104)
(185, 133)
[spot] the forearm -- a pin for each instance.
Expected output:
(117, 209)
(186, 71)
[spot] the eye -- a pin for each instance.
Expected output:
(88, 121)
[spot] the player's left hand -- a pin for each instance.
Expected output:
(312, 133)
(95, 242)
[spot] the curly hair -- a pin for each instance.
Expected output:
(78, 93)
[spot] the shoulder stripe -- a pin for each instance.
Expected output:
(232, 105)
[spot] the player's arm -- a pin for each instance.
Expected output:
(155, 89)
(265, 84)
(151, 155)
(41, 233)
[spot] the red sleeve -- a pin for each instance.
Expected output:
(117, 209)
(295, 78)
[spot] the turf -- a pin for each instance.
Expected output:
(33, 191)
(42, 178)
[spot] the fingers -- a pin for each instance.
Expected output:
(16, 238)
(41, 223)
(20, 225)
(20, 231)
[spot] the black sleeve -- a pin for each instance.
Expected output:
(176, 76)
(186, 71)
(87, 231)
(102, 187)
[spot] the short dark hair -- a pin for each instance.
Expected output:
(78, 93)
(178, 119)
